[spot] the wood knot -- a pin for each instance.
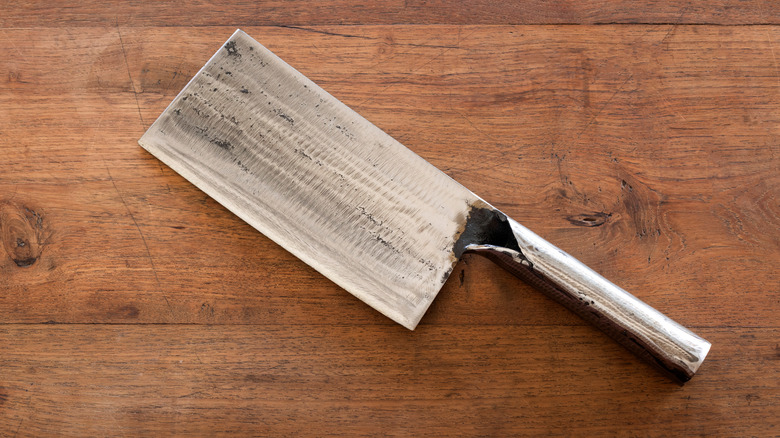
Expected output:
(23, 233)
(14, 76)
(589, 219)
(128, 311)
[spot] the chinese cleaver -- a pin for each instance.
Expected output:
(366, 212)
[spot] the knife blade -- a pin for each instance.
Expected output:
(342, 195)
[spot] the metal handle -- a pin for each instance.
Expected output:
(640, 328)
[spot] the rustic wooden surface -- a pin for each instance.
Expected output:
(133, 304)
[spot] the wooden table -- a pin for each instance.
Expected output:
(640, 136)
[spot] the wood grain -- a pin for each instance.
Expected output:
(305, 13)
(650, 152)
(331, 381)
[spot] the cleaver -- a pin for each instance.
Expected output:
(339, 193)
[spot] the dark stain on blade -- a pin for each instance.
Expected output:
(223, 144)
(485, 226)
(232, 50)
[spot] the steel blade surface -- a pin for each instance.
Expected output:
(315, 177)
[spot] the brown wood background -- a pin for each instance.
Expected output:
(641, 136)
